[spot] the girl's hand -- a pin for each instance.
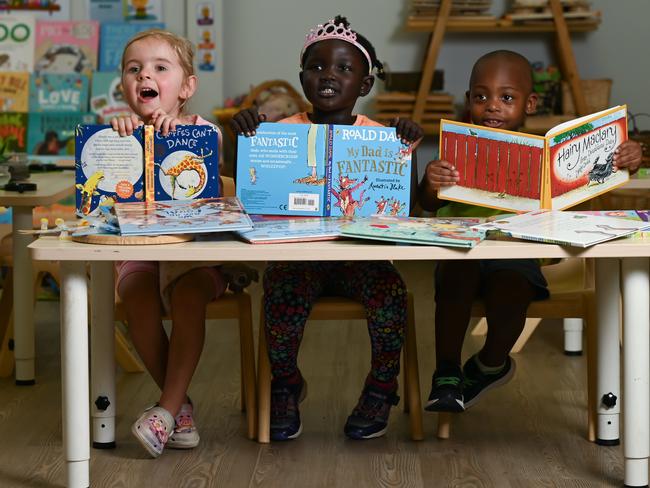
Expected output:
(125, 125)
(407, 130)
(246, 121)
(440, 174)
(628, 155)
(163, 122)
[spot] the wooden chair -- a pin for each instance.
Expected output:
(338, 308)
(572, 296)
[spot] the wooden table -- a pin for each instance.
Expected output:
(51, 187)
(74, 324)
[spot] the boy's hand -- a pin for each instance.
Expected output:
(246, 121)
(407, 130)
(125, 125)
(163, 122)
(628, 155)
(440, 174)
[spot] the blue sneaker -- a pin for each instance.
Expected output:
(446, 389)
(285, 415)
(477, 383)
(369, 419)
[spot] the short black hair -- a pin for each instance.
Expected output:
(505, 55)
(367, 45)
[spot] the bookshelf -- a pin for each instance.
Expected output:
(443, 23)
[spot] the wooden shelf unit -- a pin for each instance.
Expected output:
(443, 22)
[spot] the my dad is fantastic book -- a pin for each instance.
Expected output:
(520, 172)
(184, 165)
(323, 170)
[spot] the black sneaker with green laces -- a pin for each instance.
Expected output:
(476, 382)
(446, 389)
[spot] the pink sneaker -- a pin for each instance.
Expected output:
(152, 429)
(185, 435)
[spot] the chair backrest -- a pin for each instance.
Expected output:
(228, 185)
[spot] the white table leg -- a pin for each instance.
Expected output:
(23, 298)
(573, 337)
(74, 373)
(636, 370)
(102, 355)
(609, 355)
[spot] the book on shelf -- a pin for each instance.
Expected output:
(323, 170)
(183, 165)
(58, 92)
(107, 97)
(520, 172)
(579, 229)
(113, 36)
(13, 132)
(452, 232)
(53, 133)
(269, 230)
(17, 46)
(66, 46)
(202, 215)
(14, 91)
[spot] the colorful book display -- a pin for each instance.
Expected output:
(578, 229)
(113, 37)
(323, 170)
(14, 91)
(17, 36)
(182, 217)
(58, 92)
(107, 97)
(13, 132)
(66, 46)
(53, 133)
(520, 172)
(414, 230)
(276, 230)
(145, 166)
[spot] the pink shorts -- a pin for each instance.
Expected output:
(126, 268)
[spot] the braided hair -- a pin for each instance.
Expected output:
(376, 64)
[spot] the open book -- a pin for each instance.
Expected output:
(455, 232)
(323, 170)
(182, 216)
(578, 229)
(520, 172)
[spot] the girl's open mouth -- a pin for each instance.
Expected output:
(148, 93)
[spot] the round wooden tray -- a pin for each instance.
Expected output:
(132, 240)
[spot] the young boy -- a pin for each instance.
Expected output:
(501, 96)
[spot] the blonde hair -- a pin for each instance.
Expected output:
(181, 46)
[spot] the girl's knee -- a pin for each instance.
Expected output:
(194, 289)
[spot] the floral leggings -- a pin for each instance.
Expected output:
(292, 288)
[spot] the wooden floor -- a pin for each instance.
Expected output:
(530, 433)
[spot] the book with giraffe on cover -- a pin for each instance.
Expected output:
(520, 172)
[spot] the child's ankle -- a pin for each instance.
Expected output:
(388, 386)
(292, 379)
(487, 368)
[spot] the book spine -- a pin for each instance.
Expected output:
(544, 240)
(147, 137)
(327, 199)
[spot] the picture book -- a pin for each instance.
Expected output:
(182, 217)
(17, 37)
(145, 166)
(520, 172)
(455, 232)
(66, 46)
(13, 132)
(14, 91)
(113, 36)
(54, 92)
(52, 133)
(107, 97)
(565, 228)
(323, 170)
(286, 229)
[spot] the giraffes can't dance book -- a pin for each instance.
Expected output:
(520, 172)
(146, 166)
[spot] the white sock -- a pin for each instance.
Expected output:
(488, 369)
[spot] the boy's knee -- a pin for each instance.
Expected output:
(194, 289)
